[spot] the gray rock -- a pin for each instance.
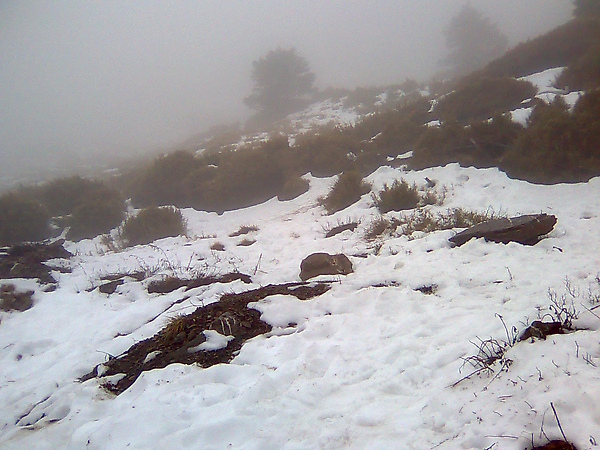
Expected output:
(325, 264)
(526, 230)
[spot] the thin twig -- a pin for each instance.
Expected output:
(481, 369)
(558, 422)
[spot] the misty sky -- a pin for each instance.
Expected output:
(110, 76)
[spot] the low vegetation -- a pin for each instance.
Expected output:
(22, 219)
(558, 48)
(401, 196)
(346, 191)
(558, 146)
(423, 220)
(397, 197)
(482, 98)
(470, 124)
(153, 223)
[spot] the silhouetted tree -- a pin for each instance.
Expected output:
(473, 40)
(587, 8)
(282, 84)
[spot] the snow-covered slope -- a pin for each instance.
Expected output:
(370, 363)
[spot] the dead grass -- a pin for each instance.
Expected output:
(244, 229)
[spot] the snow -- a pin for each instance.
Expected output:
(545, 83)
(214, 341)
(369, 364)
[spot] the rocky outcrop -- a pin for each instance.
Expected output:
(325, 264)
(526, 230)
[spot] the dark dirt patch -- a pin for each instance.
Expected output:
(245, 229)
(171, 284)
(341, 228)
(556, 445)
(27, 261)
(428, 290)
(229, 316)
(111, 286)
(13, 300)
(541, 330)
(137, 276)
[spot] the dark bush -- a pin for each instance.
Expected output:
(151, 224)
(397, 197)
(482, 98)
(244, 178)
(558, 48)
(394, 132)
(62, 195)
(293, 187)
(327, 152)
(22, 219)
(162, 183)
(558, 146)
(98, 213)
(584, 73)
(346, 191)
(481, 144)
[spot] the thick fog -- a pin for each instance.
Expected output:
(111, 77)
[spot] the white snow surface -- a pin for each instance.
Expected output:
(544, 82)
(369, 364)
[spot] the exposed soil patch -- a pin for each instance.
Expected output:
(341, 228)
(13, 300)
(27, 261)
(171, 284)
(178, 342)
(556, 445)
(244, 229)
(541, 330)
(428, 289)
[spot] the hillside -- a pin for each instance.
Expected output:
(211, 338)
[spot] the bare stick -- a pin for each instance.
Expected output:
(558, 422)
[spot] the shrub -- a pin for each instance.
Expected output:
(397, 197)
(217, 247)
(425, 221)
(326, 153)
(293, 187)
(396, 131)
(481, 144)
(153, 223)
(97, 213)
(483, 97)
(584, 72)
(558, 146)
(162, 183)
(346, 191)
(378, 227)
(22, 219)
(244, 229)
(63, 195)
(558, 48)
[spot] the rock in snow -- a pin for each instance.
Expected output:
(525, 230)
(324, 264)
